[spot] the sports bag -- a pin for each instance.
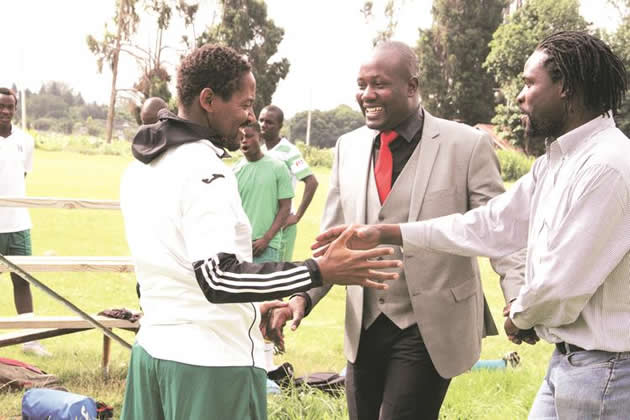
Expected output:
(44, 404)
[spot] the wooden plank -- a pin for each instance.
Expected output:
(62, 322)
(70, 264)
(24, 336)
(60, 203)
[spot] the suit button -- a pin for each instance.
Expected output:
(381, 301)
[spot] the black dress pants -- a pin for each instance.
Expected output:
(393, 377)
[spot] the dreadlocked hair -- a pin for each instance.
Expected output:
(585, 63)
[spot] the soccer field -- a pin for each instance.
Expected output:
(316, 346)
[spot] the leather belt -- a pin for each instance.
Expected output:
(566, 348)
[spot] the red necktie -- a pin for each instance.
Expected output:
(383, 168)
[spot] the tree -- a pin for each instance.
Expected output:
(453, 83)
(326, 126)
(620, 44)
(108, 50)
(511, 44)
(154, 77)
(244, 26)
(390, 12)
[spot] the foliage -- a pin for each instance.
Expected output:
(326, 126)
(451, 53)
(84, 144)
(314, 156)
(391, 12)
(514, 41)
(245, 27)
(620, 44)
(514, 164)
(108, 50)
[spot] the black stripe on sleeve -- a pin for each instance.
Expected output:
(223, 279)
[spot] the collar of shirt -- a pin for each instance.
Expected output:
(568, 143)
(221, 153)
(406, 129)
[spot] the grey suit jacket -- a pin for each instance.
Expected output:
(457, 170)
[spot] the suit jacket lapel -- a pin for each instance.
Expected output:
(429, 146)
(364, 159)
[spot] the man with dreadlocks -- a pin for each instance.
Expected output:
(572, 211)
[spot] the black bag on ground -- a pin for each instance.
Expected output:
(329, 382)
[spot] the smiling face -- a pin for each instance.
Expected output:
(250, 144)
(7, 110)
(542, 101)
(229, 117)
(387, 94)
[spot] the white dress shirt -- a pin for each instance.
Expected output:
(572, 212)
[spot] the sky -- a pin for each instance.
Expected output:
(325, 41)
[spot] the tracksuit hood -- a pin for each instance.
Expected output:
(152, 140)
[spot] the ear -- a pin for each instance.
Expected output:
(205, 99)
(412, 86)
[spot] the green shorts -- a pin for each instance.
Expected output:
(16, 243)
(269, 254)
(165, 390)
(288, 242)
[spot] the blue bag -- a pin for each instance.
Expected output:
(43, 404)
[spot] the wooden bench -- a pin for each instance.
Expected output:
(40, 327)
(70, 264)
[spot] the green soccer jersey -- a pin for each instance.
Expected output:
(291, 156)
(261, 184)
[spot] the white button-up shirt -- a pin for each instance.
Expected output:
(572, 212)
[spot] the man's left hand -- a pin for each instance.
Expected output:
(266, 309)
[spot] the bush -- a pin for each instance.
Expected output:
(88, 145)
(315, 156)
(514, 164)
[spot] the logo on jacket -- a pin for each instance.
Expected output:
(214, 176)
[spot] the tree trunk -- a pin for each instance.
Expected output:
(112, 97)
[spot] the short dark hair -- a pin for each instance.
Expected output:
(586, 64)
(254, 125)
(277, 110)
(406, 53)
(7, 91)
(215, 66)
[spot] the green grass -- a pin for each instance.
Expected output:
(316, 346)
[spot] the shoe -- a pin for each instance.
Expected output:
(35, 348)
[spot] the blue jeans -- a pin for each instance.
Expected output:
(585, 385)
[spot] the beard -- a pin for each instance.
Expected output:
(541, 127)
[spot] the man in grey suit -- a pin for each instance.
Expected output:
(404, 344)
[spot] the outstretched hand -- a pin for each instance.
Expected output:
(339, 264)
(365, 237)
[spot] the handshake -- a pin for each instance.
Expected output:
(346, 255)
